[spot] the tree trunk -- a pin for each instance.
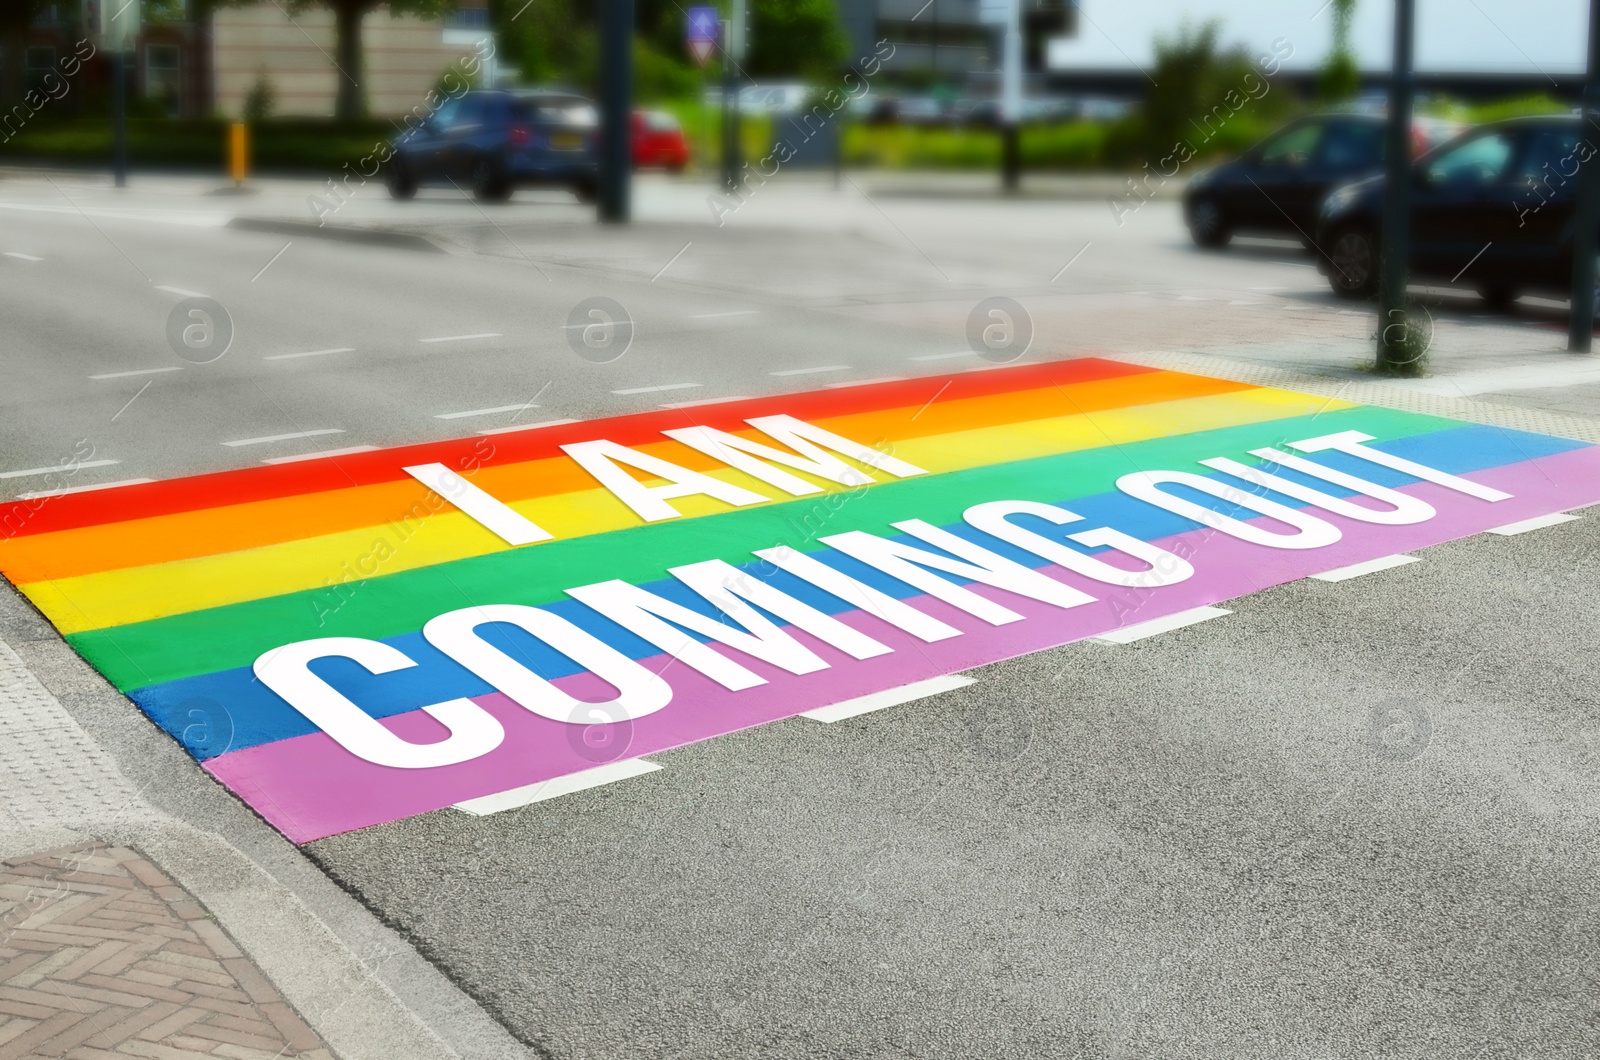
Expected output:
(350, 103)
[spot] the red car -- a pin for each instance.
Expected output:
(658, 140)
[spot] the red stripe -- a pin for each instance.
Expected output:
(244, 485)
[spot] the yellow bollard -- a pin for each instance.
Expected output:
(238, 152)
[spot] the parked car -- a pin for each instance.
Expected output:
(658, 141)
(1491, 210)
(496, 141)
(1276, 186)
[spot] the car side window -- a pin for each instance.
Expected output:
(1551, 159)
(1481, 160)
(1352, 146)
(471, 112)
(445, 116)
(1293, 148)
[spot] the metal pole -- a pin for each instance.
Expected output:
(1586, 211)
(1393, 355)
(1011, 99)
(616, 109)
(732, 57)
(119, 121)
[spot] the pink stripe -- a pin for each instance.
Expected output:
(309, 787)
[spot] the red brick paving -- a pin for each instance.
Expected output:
(102, 957)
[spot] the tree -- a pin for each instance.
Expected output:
(795, 38)
(1340, 78)
(351, 102)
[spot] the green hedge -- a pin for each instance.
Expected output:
(297, 144)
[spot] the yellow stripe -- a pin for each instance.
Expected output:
(136, 594)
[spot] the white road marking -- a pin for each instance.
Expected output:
(66, 468)
(82, 489)
(730, 313)
(529, 794)
(889, 697)
(1141, 630)
(138, 371)
(180, 290)
(812, 371)
(702, 401)
(1538, 522)
(285, 437)
(992, 367)
(464, 338)
(1266, 288)
(22, 257)
(1241, 302)
(483, 412)
(296, 458)
(526, 426)
(1356, 570)
(657, 389)
(498, 517)
(867, 382)
(308, 353)
(1193, 298)
(942, 356)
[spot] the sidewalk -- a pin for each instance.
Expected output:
(145, 913)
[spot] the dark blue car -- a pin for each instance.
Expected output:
(494, 142)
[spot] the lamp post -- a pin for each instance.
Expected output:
(1586, 214)
(1394, 351)
(616, 110)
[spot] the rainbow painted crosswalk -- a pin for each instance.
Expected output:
(343, 645)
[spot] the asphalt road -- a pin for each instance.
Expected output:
(1352, 819)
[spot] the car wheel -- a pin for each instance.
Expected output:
(398, 179)
(1353, 264)
(1207, 225)
(586, 190)
(1499, 296)
(488, 183)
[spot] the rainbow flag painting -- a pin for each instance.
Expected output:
(353, 640)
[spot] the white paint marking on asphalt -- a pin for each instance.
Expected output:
(504, 521)
(992, 367)
(483, 412)
(464, 338)
(22, 257)
(527, 426)
(812, 371)
(1356, 570)
(308, 353)
(1241, 302)
(138, 371)
(867, 382)
(529, 794)
(1538, 522)
(285, 437)
(180, 290)
(1141, 630)
(889, 697)
(702, 401)
(82, 489)
(1266, 288)
(656, 389)
(730, 313)
(63, 468)
(319, 454)
(1193, 298)
(942, 356)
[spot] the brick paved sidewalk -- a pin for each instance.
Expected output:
(102, 956)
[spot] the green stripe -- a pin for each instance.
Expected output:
(221, 638)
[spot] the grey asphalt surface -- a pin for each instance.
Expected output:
(1352, 819)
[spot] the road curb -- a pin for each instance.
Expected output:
(369, 236)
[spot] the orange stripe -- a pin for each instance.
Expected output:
(212, 531)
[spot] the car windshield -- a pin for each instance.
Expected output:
(1481, 160)
(1551, 158)
(555, 110)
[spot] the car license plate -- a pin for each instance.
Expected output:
(566, 141)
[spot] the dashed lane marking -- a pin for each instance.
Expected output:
(1165, 624)
(889, 697)
(545, 790)
(284, 437)
(1536, 523)
(1356, 570)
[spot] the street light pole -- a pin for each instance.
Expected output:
(119, 120)
(1394, 351)
(1011, 98)
(732, 56)
(616, 110)
(1586, 212)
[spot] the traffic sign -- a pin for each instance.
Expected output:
(701, 29)
(113, 24)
